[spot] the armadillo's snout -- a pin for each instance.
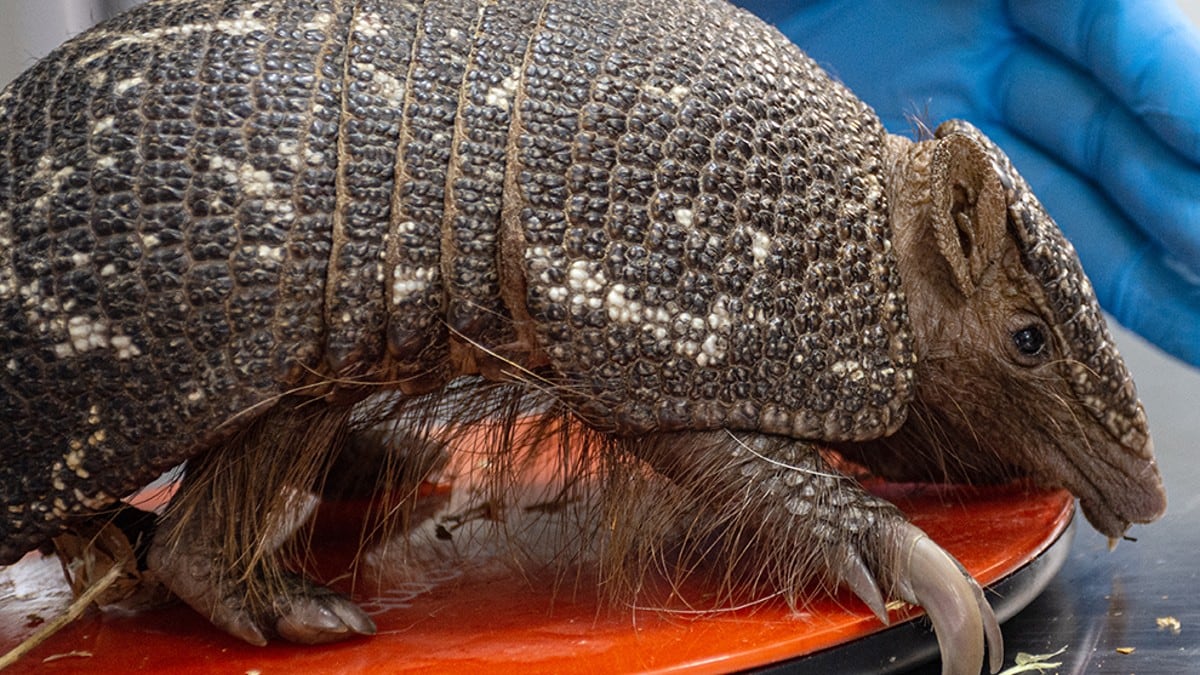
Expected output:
(1127, 491)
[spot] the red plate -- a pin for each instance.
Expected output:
(489, 624)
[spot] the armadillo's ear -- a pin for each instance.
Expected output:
(968, 208)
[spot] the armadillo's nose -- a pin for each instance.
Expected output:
(1127, 489)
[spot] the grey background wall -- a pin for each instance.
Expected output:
(30, 28)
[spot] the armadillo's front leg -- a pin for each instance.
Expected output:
(216, 546)
(806, 520)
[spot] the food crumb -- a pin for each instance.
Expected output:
(1125, 650)
(1169, 623)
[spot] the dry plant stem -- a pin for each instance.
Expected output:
(58, 623)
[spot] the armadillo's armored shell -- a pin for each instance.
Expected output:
(168, 197)
(706, 240)
(207, 204)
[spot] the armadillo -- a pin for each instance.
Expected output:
(226, 223)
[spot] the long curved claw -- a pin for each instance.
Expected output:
(858, 578)
(961, 616)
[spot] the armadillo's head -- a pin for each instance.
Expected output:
(1017, 372)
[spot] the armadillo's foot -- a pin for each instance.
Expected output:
(294, 608)
(312, 614)
(806, 518)
(931, 578)
(954, 602)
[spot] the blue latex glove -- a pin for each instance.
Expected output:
(1096, 102)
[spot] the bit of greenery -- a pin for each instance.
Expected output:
(1026, 663)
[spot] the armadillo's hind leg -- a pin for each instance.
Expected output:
(218, 545)
(297, 609)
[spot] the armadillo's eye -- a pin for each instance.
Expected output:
(1030, 341)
